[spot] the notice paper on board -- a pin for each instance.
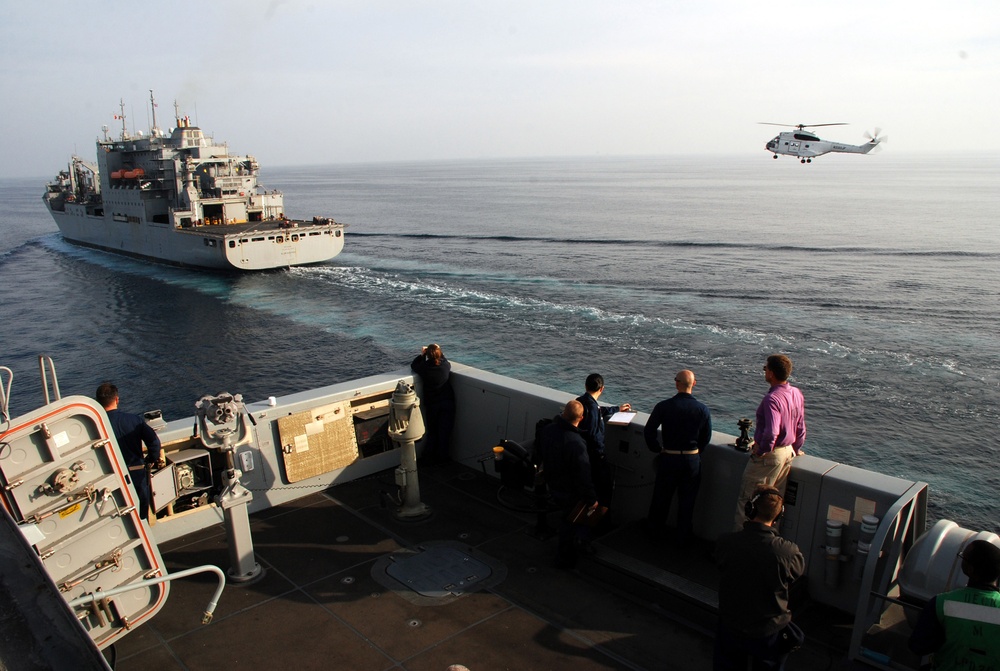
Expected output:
(621, 418)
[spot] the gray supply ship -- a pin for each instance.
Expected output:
(181, 198)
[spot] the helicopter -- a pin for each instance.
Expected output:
(806, 145)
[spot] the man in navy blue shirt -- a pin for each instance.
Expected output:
(592, 426)
(686, 429)
(131, 431)
(566, 467)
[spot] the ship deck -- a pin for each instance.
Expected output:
(323, 599)
(269, 226)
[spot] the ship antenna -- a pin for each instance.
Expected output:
(121, 115)
(152, 103)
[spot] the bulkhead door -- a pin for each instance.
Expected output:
(64, 483)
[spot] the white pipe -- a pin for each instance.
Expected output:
(206, 618)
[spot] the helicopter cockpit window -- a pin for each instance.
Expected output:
(806, 136)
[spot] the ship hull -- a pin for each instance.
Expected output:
(263, 247)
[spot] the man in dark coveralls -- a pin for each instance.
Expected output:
(757, 566)
(962, 627)
(686, 429)
(566, 468)
(592, 426)
(131, 431)
(434, 369)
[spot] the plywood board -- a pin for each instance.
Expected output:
(318, 441)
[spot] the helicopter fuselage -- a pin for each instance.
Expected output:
(806, 146)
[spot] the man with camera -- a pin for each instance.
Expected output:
(757, 567)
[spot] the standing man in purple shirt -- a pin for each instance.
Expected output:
(779, 435)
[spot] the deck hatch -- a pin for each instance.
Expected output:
(438, 572)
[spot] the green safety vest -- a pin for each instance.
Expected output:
(971, 620)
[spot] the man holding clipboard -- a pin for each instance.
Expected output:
(592, 427)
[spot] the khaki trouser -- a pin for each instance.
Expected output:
(772, 469)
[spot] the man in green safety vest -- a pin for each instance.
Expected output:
(962, 627)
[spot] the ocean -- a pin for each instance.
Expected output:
(877, 275)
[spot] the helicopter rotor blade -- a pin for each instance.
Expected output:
(800, 126)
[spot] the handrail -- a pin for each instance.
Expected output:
(898, 602)
(99, 594)
(42, 360)
(5, 394)
(907, 508)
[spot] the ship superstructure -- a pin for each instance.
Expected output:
(181, 198)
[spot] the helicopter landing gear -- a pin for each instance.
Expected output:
(805, 160)
(775, 156)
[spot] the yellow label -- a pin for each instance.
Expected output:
(69, 511)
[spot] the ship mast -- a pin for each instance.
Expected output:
(152, 103)
(121, 115)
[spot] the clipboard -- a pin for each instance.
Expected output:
(621, 418)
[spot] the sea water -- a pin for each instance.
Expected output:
(877, 275)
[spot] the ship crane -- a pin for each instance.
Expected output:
(80, 183)
(86, 164)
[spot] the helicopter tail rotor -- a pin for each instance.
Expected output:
(876, 139)
(876, 136)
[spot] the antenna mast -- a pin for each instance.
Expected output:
(152, 103)
(121, 115)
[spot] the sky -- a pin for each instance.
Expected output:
(297, 82)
